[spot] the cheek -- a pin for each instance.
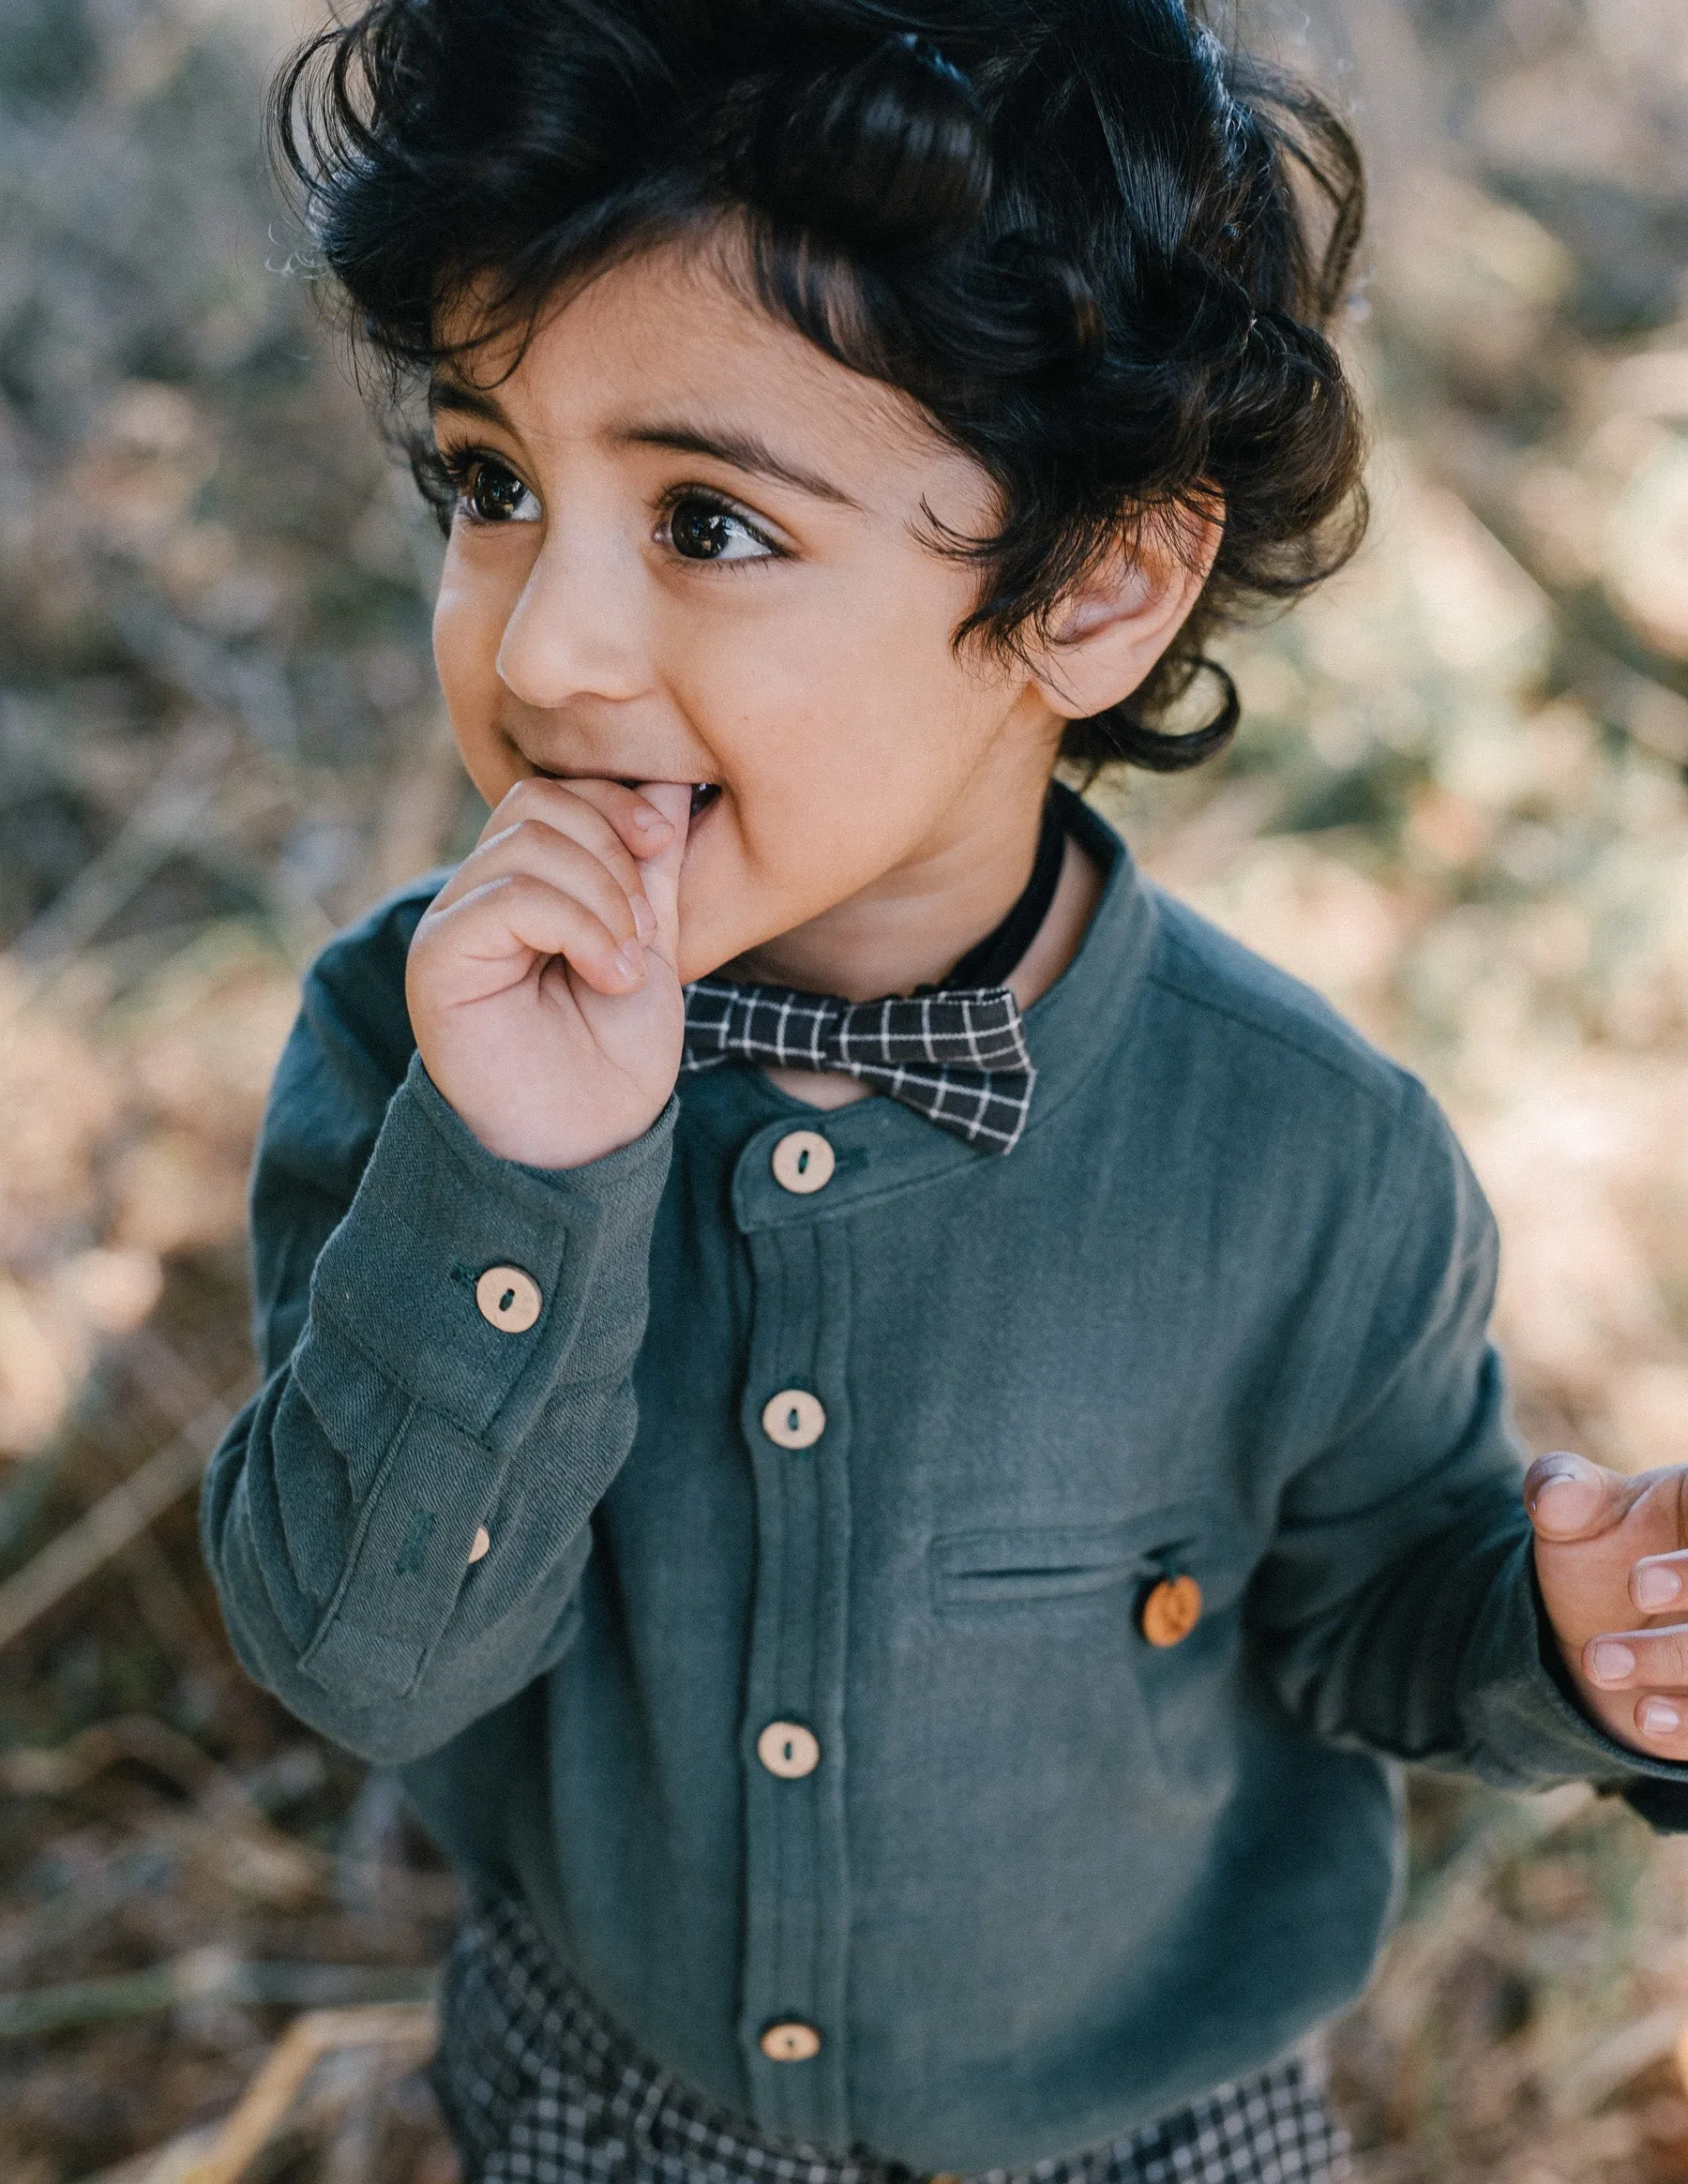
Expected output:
(853, 683)
(846, 730)
(468, 627)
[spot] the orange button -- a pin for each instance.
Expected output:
(790, 2043)
(1171, 1611)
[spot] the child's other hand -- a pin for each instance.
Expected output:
(1610, 1554)
(542, 983)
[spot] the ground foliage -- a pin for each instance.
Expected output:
(1458, 807)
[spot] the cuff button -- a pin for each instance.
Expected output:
(509, 1298)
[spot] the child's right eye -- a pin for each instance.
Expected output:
(489, 492)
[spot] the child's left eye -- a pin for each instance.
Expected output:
(701, 528)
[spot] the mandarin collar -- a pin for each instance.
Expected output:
(881, 1146)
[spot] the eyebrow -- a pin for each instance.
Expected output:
(739, 451)
(469, 401)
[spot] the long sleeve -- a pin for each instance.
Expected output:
(1408, 1621)
(339, 1514)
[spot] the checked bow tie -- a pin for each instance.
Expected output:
(958, 1057)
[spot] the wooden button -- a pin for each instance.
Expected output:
(790, 2043)
(793, 1419)
(482, 1545)
(803, 1162)
(1171, 1611)
(509, 1298)
(789, 1750)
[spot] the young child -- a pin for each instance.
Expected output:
(901, 1608)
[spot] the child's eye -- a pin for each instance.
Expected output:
(489, 492)
(699, 527)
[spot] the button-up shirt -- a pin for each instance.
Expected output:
(751, 1575)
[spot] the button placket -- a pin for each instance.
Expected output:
(796, 1893)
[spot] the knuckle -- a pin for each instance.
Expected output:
(1661, 1659)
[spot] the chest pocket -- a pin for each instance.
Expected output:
(985, 1570)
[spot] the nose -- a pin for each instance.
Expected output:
(578, 627)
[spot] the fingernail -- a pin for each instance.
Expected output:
(631, 960)
(1659, 1718)
(1610, 1661)
(1560, 1490)
(647, 817)
(1656, 1586)
(645, 918)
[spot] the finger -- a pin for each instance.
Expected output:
(661, 868)
(1658, 1582)
(534, 847)
(637, 822)
(1570, 1498)
(489, 939)
(1662, 1723)
(613, 821)
(1650, 1660)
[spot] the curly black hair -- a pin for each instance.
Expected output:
(1100, 248)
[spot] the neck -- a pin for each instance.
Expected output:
(1057, 941)
(916, 920)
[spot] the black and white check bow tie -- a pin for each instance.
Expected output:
(958, 1057)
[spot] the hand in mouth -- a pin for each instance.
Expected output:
(703, 794)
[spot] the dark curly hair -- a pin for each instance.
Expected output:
(1097, 246)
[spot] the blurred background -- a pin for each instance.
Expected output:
(1459, 807)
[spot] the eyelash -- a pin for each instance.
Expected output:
(446, 474)
(718, 503)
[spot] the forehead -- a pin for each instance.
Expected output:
(673, 337)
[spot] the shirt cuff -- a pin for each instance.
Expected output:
(401, 1279)
(1530, 1728)
(414, 1368)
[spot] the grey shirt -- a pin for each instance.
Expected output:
(1222, 1312)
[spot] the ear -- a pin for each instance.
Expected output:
(1112, 627)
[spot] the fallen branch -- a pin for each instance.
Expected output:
(219, 2153)
(272, 2092)
(109, 1527)
(210, 1975)
(57, 1771)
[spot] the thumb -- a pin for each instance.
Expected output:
(661, 872)
(1570, 1498)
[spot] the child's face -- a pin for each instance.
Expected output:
(688, 548)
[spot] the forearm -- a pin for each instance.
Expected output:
(1446, 1656)
(341, 1511)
